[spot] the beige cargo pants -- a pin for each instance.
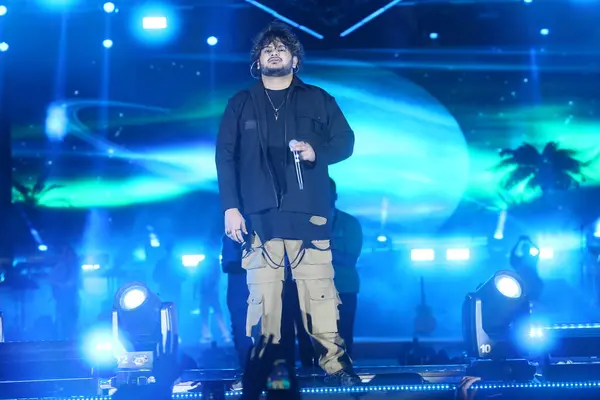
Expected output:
(313, 272)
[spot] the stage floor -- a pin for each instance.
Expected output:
(427, 382)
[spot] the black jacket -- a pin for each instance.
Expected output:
(246, 181)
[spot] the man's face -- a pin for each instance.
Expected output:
(276, 60)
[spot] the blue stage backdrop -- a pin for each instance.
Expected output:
(113, 149)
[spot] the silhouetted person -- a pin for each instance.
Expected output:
(65, 282)
(207, 289)
(169, 276)
(346, 246)
(237, 297)
(292, 329)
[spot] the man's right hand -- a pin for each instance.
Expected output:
(235, 225)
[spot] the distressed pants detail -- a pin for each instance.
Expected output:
(313, 272)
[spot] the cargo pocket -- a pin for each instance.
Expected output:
(324, 303)
(255, 310)
(319, 253)
(252, 255)
(315, 263)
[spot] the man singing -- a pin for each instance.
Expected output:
(285, 221)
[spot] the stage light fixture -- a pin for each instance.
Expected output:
(99, 349)
(420, 255)
(154, 23)
(109, 7)
(492, 316)
(544, 31)
(382, 238)
(458, 254)
(154, 242)
(433, 36)
(192, 260)
(107, 43)
(211, 41)
(570, 350)
(146, 328)
(4, 47)
(57, 121)
(3, 10)
(42, 247)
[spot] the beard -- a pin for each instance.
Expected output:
(284, 70)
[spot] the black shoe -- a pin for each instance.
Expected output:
(343, 378)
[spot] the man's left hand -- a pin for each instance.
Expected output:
(305, 151)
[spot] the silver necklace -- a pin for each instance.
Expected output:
(275, 109)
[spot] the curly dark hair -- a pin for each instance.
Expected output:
(277, 31)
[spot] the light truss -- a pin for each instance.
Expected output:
(285, 19)
(369, 18)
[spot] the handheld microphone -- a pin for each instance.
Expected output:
(294, 142)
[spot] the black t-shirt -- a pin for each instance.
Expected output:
(277, 150)
(275, 223)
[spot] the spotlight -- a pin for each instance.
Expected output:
(544, 32)
(133, 297)
(492, 314)
(546, 253)
(109, 7)
(527, 1)
(99, 349)
(192, 260)
(458, 254)
(154, 242)
(42, 247)
(422, 255)
(382, 242)
(433, 36)
(211, 41)
(56, 121)
(154, 23)
(3, 10)
(107, 43)
(146, 328)
(3, 46)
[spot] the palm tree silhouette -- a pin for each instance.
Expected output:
(32, 196)
(553, 169)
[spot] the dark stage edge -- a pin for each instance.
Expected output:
(380, 382)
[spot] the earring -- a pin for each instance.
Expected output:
(252, 74)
